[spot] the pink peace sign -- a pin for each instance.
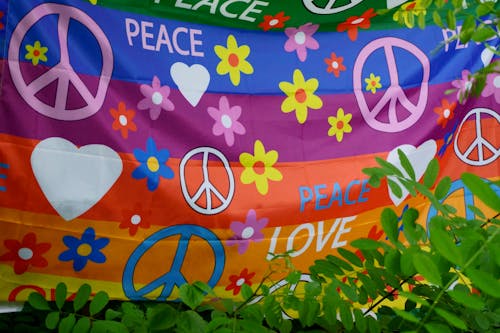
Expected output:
(62, 72)
(409, 113)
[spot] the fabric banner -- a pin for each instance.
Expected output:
(144, 145)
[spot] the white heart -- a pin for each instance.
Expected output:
(487, 56)
(419, 158)
(192, 81)
(394, 3)
(74, 179)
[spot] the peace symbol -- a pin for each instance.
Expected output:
(329, 8)
(479, 142)
(468, 199)
(394, 93)
(63, 72)
(207, 187)
(174, 277)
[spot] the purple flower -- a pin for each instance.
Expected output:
(301, 39)
(464, 86)
(226, 120)
(492, 86)
(155, 98)
(248, 231)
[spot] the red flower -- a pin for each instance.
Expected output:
(335, 64)
(123, 119)
(133, 219)
(25, 253)
(276, 21)
(445, 112)
(354, 22)
(237, 281)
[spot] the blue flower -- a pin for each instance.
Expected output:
(152, 164)
(84, 249)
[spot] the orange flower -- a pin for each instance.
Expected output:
(335, 64)
(445, 112)
(276, 21)
(354, 22)
(123, 119)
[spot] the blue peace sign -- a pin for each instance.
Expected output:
(174, 277)
(468, 199)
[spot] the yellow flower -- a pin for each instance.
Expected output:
(36, 53)
(340, 124)
(405, 14)
(233, 60)
(373, 83)
(259, 167)
(300, 96)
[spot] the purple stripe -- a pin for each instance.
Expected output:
(189, 127)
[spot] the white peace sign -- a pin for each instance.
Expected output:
(328, 8)
(479, 142)
(63, 72)
(207, 187)
(394, 93)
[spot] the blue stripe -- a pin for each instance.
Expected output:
(3, 188)
(4, 165)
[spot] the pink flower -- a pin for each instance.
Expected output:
(248, 231)
(226, 120)
(301, 39)
(492, 86)
(155, 98)
(464, 86)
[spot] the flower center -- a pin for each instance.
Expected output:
(446, 113)
(411, 5)
(247, 233)
(84, 250)
(123, 120)
(36, 53)
(240, 282)
(300, 95)
(273, 22)
(259, 167)
(496, 82)
(25, 253)
(153, 164)
(135, 219)
(358, 20)
(335, 65)
(233, 60)
(226, 121)
(300, 38)
(374, 83)
(157, 98)
(340, 124)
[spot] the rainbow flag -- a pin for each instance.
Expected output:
(146, 144)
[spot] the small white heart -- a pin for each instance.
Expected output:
(419, 158)
(74, 179)
(192, 81)
(394, 3)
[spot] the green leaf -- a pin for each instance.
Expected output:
(437, 328)
(373, 325)
(431, 173)
(395, 188)
(444, 243)
(293, 277)
(66, 325)
(162, 317)
(483, 9)
(204, 287)
(426, 267)
(406, 316)
(484, 281)
(346, 315)
(478, 212)
(406, 164)
(410, 227)
(246, 292)
(451, 20)
(82, 297)
(52, 320)
(368, 284)
(468, 28)
(390, 224)
(309, 311)
(339, 262)
(366, 244)
(389, 168)
(437, 19)
(107, 326)
(61, 293)
(466, 299)
(38, 302)
(312, 289)
(407, 266)
(191, 296)
(451, 318)
(414, 298)
(98, 303)
(481, 190)
(442, 188)
(360, 321)
(392, 261)
(82, 325)
(111, 314)
(191, 322)
(350, 256)
(482, 34)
